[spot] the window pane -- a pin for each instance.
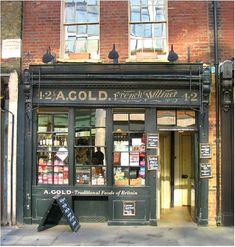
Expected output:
(98, 175)
(93, 30)
(160, 30)
(147, 30)
(135, 13)
(92, 13)
(61, 123)
(44, 123)
(83, 175)
(121, 176)
(81, 12)
(82, 29)
(159, 14)
(186, 118)
(135, 2)
(166, 117)
(145, 14)
(69, 11)
(137, 30)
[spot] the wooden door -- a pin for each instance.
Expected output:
(165, 163)
(185, 167)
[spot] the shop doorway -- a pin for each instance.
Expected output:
(176, 176)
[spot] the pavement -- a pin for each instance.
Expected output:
(101, 234)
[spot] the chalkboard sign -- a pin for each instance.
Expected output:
(58, 208)
(205, 150)
(128, 208)
(205, 170)
(152, 140)
(153, 162)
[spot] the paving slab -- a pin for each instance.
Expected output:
(100, 234)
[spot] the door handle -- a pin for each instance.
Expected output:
(184, 176)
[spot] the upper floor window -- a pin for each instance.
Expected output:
(148, 27)
(81, 29)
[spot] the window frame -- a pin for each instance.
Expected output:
(164, 52)
(63, 24)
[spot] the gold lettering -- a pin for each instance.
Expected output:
(72, 95)
(82, 95)
(90, 96)
(60, 95)
(103, 95)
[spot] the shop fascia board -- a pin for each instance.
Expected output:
(88, 69)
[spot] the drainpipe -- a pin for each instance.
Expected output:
(216, 63)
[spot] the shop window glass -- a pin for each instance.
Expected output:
(81, 27)
(52, 149)
(186, 118)
(176, 118)
(129, 159)
(166, 117)
(148, 25)
(90, 146)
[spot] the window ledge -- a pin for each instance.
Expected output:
(67, 60)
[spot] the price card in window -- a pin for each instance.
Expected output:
(62, 153)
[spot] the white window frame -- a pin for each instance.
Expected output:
(162, 57)
(63, 55)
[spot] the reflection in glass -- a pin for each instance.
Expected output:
(84, 36)
(82, 175)
(121, 176)
(90, 141)
(144, 27)
(44, 123)
(186, 118)
(165, 117)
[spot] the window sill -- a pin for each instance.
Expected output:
(159, 58)
(67, 60)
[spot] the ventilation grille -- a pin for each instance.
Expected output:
(92, 219)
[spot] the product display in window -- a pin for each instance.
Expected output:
(52, 150)
(129, 147)
(89, 147)
(51, 169)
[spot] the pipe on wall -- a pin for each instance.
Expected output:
(217, 88)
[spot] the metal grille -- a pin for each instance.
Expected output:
(92, 219)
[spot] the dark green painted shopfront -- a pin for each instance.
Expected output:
(120, 141)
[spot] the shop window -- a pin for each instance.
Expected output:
(52, 148)
(176, 118)
(148, 28)
(90, 146)
(81, 29)
(129, 159)
(186, 118)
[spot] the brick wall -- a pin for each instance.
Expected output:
(226, 30)
(114, 28)
(41, 30)
(188, 27)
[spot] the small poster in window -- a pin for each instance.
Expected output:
(124, 159)
(116, 158)
(134, 159)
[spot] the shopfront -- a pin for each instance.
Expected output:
(105, 136)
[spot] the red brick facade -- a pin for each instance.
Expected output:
(190, 24)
